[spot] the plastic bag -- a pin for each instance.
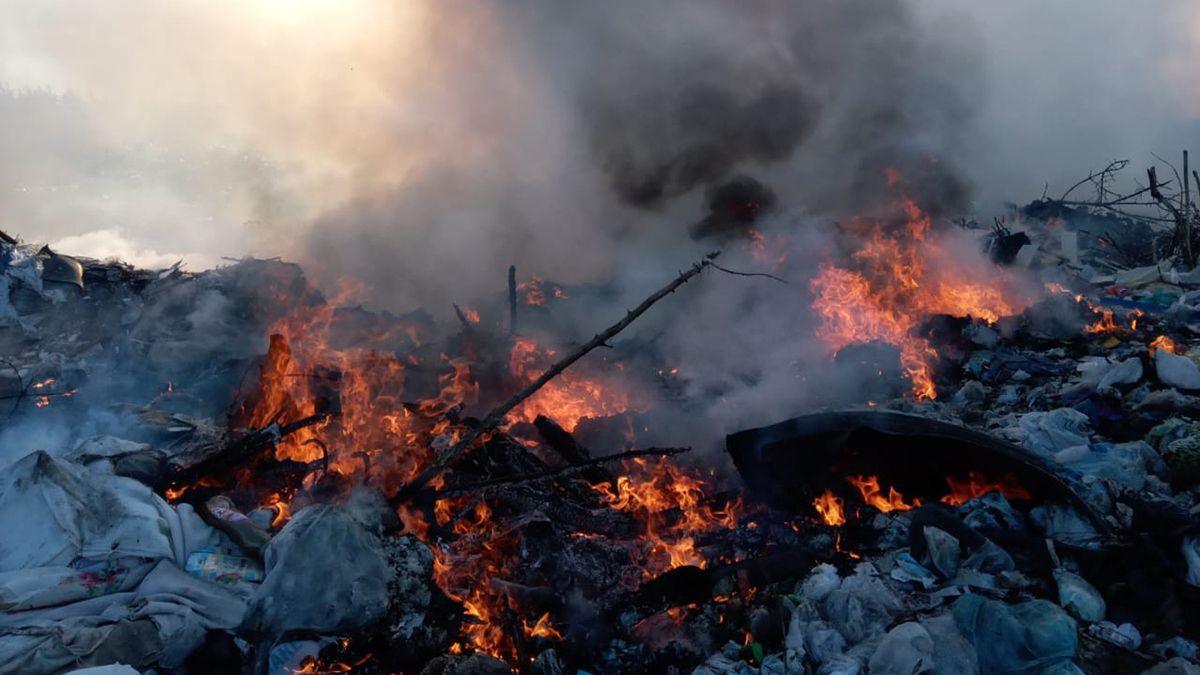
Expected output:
(324, 572)
(905, 650)
(1078, 597)
(1022, 639)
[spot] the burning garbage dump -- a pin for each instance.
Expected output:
(263, 479)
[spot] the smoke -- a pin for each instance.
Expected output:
(423, 147)
(374, 139)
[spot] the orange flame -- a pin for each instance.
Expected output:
(901, 277)
(543, 629)
(978, 485)
(872, 494)
(567, 398)
(281, 507)
(1164, 342)
(830, 508)
(1104, 325)
(671, 504)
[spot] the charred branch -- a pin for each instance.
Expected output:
(497, 415)
(512, 299)
(582, 468)
(241, 451)
(562, 442)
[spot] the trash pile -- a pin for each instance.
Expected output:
(228, 472)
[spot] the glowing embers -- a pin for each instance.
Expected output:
(43, 392)
(536, 290)
(901, 274)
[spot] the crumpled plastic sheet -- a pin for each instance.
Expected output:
(1065, 525)
(325, 572)
(993, 512)
(1049, 432)
(1191, 555)
(1030, 638)
(906, 649)
(1177, 371)
(862, 606)
(1079, 597)
(1125, 464)
(111, 669)
(952, 653)
(91, 571)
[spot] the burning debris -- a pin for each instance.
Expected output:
(254, 477)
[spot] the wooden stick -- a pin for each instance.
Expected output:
(459, 491)
(512, 299)
(496, 416)
(1181, 228)
(1187, 212)
(462, 318)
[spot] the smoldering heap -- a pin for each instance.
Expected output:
(229, 471)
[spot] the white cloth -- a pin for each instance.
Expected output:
(91, 571)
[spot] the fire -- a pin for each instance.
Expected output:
(1104, 325)
(281, 507)
(305, 373)
(872, 494)
(1164, 342)
(768, 251)
(372, 435)
(471, 314)
(567, 398)
(542, 629)
(978, 485)
(1059, 289)
(830, 508)
(313, 666)
(462, 570)
(961, 491)
(672, 506)
(534, 291)
(898, 278)
(837, 546)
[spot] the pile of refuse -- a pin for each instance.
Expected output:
(115, 381)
